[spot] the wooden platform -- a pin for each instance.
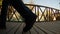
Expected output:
(38, 28)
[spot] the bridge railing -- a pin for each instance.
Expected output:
(44, 13)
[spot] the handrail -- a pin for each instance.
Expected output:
(41, 6)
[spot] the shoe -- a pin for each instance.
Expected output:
(2, 27)
(25, 32)
(29, 23)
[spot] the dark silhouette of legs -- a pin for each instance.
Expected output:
(3, 14)
(26, 13)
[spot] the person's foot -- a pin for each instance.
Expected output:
(2, 27)
(29, 23)
(25, 32)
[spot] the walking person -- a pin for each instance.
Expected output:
(25, 12)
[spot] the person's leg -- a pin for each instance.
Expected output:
(29, 24)
(3, 14)
(26, 13)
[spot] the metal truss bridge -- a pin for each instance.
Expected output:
(44, 13)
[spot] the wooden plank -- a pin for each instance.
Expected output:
(38, 30)
(44, 30)
(13, 30)
(19, 31)
(10, 26)
(3, 31)
(33, 31)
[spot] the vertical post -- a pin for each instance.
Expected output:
(38, 13)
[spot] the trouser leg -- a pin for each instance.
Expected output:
(3, 14)
(25, 12)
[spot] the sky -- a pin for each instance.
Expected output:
(49, 3)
